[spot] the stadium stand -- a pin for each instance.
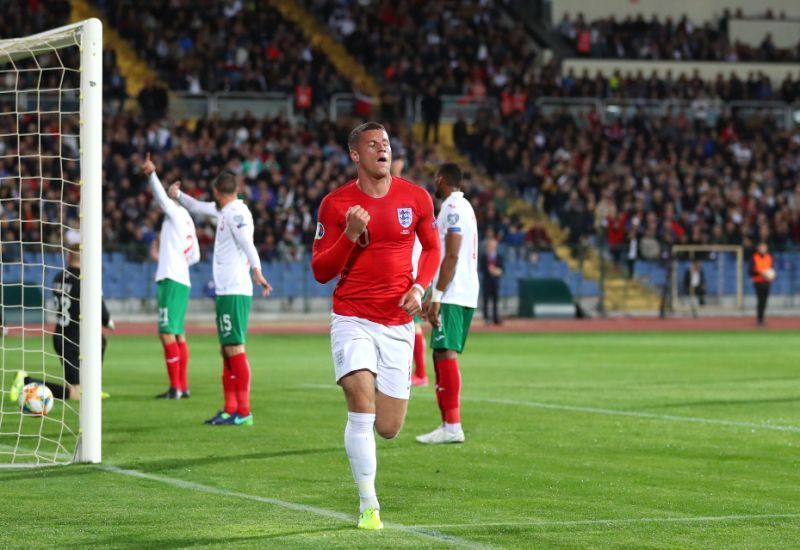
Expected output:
(693, 168)
(654, 38)
(235, 46)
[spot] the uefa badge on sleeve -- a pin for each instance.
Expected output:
(320, 231)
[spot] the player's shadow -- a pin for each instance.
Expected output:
(132, 541)
(725, 402)
(177, 463)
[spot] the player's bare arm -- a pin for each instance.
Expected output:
(452, 244)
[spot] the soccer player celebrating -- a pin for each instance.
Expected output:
(453, 300)
(235, 256)
(365, 234)
(177, 250)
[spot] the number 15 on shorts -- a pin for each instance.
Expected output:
(224, 323)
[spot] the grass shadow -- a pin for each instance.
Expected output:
(177, 463)
(128, 541)
(47, 472)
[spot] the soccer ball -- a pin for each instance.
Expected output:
(769, 274)
(36, 399)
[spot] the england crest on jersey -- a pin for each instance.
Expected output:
(404, 217)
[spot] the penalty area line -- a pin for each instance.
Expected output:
(424, 532)
(610, 412)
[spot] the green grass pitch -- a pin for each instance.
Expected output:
(600, 440)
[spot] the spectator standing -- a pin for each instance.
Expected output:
(694, 284)
(153, 100)
(491, 268)
(666, 262)
(633, 251)
(431, 113)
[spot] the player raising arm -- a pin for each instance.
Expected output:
(177, 250)
(365, 235)
(235, 256)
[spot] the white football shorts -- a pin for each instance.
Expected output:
(386, 351)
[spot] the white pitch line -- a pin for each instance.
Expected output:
(638, 414)
(424, 532)
(612, 412)
(622, 521)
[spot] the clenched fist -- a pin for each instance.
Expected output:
(357, 219)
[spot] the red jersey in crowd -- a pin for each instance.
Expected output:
(616, 230)
(376, 270)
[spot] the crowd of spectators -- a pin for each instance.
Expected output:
(241, 46)
(634, 37)
(39, 172)
(419, 50)
(284, 172)
(471, 48)
(754, 86)
(637, 184)
(633, 182)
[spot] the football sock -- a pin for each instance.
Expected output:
(229, 388)
(241, 372)
(359, 442)
(452, 427)
(182, 366)
(448, 389)
(59, 392)
(419, 354)
(439, 393)
(172, 356)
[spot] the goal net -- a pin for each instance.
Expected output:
(707, 277)
(50, 203)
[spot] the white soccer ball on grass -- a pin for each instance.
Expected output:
(36, 399)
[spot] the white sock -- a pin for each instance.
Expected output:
(452, 427)
(359, 442)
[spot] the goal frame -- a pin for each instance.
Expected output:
(91, 153)
(89, 442)
(690, 248)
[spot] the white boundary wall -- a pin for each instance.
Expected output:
(698, 11)
(785, 33)
(708, 70)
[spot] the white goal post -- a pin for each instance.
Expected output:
(51, 105)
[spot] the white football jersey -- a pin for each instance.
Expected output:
(177, 247)
(457, 216)
(234, 252)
